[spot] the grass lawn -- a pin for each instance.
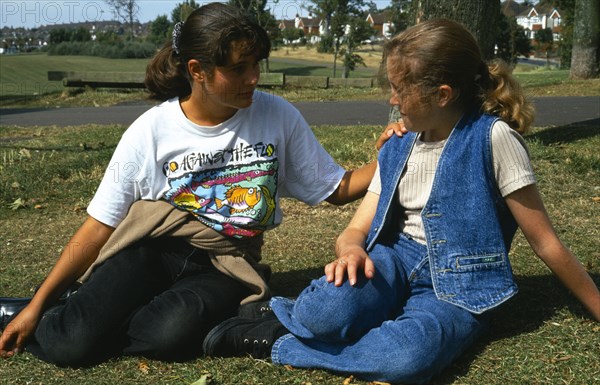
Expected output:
(542, 336)
(23, 79)
(49, 174)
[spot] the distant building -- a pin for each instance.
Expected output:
(20, 39)
(382, 23)
(313, 27)
(535, 17)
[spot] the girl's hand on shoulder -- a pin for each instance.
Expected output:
(391, 129)
(350, 261)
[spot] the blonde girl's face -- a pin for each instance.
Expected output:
(408, 98)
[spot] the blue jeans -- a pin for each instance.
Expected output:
(157, 299)
(391, 328)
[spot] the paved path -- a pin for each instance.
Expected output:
(551, 111)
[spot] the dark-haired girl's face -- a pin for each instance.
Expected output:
(232, 86)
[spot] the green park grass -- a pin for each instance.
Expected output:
(542, 336)
(24, 83)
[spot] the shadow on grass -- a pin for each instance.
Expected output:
(539, 299)
(24, 100)
(291, 283)
(67, 148)
(568, 133)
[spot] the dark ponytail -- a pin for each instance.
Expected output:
(165, 77)
(206, 36)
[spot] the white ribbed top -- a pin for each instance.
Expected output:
(512, 169)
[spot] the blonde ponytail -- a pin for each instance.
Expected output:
(504, 97)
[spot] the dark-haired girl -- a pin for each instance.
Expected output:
(172, 242)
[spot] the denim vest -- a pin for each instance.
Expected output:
(467, 224)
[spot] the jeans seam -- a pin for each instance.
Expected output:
(185, 263)
(417, 268)
(276, 345)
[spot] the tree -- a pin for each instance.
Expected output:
(159, 29)
(544, 42)
(481, 17)
(125, 10)
(586, 40)
(358, 30)
(345, 31)
(183, 10)
(61, 35)
(80, 34)
(565, 44)
(263, 17)
(399, 15)
(325, 9)
(292, 34)
(511, 40)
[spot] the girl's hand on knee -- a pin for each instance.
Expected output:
(350, 263)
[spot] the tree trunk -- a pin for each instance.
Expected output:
(586, 40)
(481, 17)
(335, 56)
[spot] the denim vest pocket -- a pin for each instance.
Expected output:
(478, 262)
(477, 282)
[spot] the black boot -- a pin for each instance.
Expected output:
(9, 308)
(238, 336)
(255, 310)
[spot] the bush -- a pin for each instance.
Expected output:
(121, 50)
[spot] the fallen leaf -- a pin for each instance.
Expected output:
(565, 358)
(25, 153)
(596, 199)
(204, 380)
(18, 204)
(143, 367)
(348, 380)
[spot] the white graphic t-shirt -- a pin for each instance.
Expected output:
(229, 176)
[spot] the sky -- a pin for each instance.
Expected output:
(34, 13)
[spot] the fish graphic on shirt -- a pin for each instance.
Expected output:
(187, 200)
(239, 199)
(230, 179)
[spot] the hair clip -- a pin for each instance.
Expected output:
(177, 36)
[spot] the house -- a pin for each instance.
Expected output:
(313, 27)
(382, 23)
(536, 17)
